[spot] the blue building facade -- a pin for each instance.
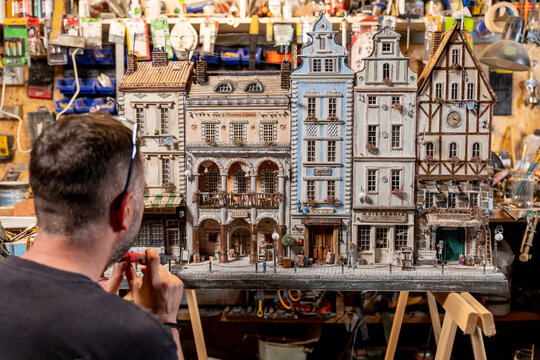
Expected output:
(321, 146)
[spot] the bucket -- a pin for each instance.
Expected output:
(13, 192)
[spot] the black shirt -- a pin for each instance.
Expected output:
(46, 313)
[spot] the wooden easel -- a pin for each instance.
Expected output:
(462, 310)
(195, 317)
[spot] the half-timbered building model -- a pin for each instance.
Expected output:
(455, 110)
(321, 142)
(384, 153)
(238, 155)
(152, 94)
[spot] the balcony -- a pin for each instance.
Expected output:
(239, 200)
(208, 199)
(266, 201)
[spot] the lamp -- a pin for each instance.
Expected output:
(275, 237)
(508, 53)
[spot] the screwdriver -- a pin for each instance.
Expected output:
(132, 257)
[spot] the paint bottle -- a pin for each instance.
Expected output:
(12, 9)
(25, 8)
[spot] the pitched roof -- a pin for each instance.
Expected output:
(175, 76)
(445, 41)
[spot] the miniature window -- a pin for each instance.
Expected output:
(237, 132)
(396, 100)
(139, 117)
(371, 180)
(430, 149)
(470, 91)
(321, 42)
(156, 234)
(476, 150)
(364, 242)
(396, 180)
(452, 200)
(372, 100)
(386, 71)
(268, 132)
(454, 91)
(452, 150)
(386, 48)
(269, 181)
(473, 199)
(165, 171)
(212, 180)
(331, 153)
(400, 238)
(173, 237)
(381, 238)
(329, 65)
(164, 120)
(475, 186)
(317, 67)
(332, 107)
(331, 188)
(210, 132)
(173, 224)
(241, 183)
(311, 151)
(333, 130)
(429, 200)
(268, 238)
(143, 238)
(455, 56)
(396, 136)
(212, 237)
(372, 135)
(311, 130)
(310, 189)
(311, 107)
(438, 90)
(254, 87)
(224, 88)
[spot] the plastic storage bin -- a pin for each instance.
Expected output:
(83, 105)
(104, 56)
(230, 56)
(211, 59)
(106, 90)
(102, 104)
(58, 106)
(86, 58)
(245, 57)
(88, 86)
(66, 86)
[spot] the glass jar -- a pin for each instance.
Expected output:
(523, 190)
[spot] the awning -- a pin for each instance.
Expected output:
(453, 189)
(322, 222)
(162, 201)
(432, 189)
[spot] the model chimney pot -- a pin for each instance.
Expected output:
(159, 58)
(131, 63)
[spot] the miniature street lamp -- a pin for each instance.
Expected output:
(498, 238)
(275, 237)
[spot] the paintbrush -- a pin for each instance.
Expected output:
(522, 157)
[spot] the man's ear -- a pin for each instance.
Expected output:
(121, 216)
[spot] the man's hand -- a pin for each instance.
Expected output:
(158, 290)
(113, 283)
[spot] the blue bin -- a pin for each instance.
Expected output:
(102, 104)
(106, 90)
(59, 108)
(245, 56)
(230, 56)
(104, 56)
(211, 59)
(86, 58)
(83, 105)
(66, 86)
(88, 86)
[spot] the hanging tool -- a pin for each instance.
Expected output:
(409, 16)
(133, 257)
(259, 301)
(531, 85)
(532, 220)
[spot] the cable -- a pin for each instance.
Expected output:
(12, 115)
(78, 86)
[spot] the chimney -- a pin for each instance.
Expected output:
(285, 74)
(201, 76)
(131, 63)
(435, 42)
(159, 58)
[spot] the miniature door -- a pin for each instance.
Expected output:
(240, 241)
(454, 242)
(321, 240)
(382, 252)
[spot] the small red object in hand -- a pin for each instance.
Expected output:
(132, 257)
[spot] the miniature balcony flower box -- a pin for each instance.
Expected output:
(372, 149)
(455, 160)
(221, 194)
(398, 192)
(250, 195)
(310, 202)
(196, 196)
(238, 143)
(332, 118)
(269, 144)
(430, 160)
(397, 107)
(439, 100)
(476, 160)
(386, 81)
(276, 197)
(310, 118)
(168, 187)
(332, 200)
(456, 68)
(211, 142)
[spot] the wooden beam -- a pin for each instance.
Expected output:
(477, 342)
(434, 314)
(485, 317)
(196, 324)
(396, 325)
(446, 342)
(460, 311)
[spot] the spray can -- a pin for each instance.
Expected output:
(25, 8)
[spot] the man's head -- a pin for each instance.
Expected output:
(78, 170)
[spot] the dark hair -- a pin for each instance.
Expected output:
(78, 168)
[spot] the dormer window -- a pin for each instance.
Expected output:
(254, 87)
(386, 48)
(224, 87)
(321, 42)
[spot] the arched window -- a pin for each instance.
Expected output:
(430, 149)
(241, 181)
(386, 71)
(476, 150)
(454, 91)
(455, 56)
(224, 87)
(452, 150)
(470, 91)
(254, 87)
(438, 90)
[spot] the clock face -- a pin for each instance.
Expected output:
(454, 119)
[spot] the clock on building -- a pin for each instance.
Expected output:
(453, 119)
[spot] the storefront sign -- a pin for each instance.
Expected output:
(163, 210)
(239, 214)
(322, 211)
(383, 216)
(322, 171)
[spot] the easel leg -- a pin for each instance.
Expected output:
(434, 314)
(478, 345)
(396, 325)
(193, 308)
(446, 341)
